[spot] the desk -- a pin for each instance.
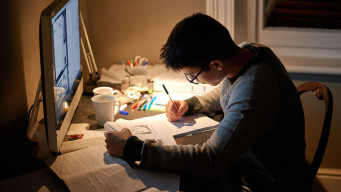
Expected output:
(86, 114)
(46, 180)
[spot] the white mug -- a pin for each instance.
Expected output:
(105, 108)
(103, 91)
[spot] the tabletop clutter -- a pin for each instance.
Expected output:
(137, 72)
(134, 90)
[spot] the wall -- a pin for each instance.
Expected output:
(19, 41)
(118, 30)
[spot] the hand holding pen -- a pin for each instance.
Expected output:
(175, 109)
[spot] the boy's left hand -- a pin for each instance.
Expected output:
(116, 140)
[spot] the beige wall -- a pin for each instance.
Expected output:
(120, 30)
(19, 53)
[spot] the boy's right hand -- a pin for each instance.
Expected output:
(171, 112)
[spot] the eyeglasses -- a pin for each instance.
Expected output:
(193, 79)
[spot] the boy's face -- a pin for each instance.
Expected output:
(212, 76)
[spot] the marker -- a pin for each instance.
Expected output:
(135, 105)
(151, 102)
(123, 112)
(147, 103)
(172, 101)
(141, 103)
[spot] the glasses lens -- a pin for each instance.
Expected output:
(191, 78)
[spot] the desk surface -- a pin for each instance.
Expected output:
(46, 180)
(85, 114)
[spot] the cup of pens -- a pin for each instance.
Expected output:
(138, 72)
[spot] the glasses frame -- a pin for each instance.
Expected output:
(196, 76)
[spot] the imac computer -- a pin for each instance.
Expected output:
(61, 77)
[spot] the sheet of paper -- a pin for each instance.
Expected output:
(192, 123)
(93, 169)
(156, 130)
(162, 98)
(90, 138)
(69, 146)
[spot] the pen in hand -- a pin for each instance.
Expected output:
(172, 101)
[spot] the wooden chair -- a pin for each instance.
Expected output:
(322, 93)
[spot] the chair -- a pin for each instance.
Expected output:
(322, 93)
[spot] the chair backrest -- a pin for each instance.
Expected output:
(322, 93)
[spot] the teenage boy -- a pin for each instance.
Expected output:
(260, 138)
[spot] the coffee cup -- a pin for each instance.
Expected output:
(105, 108)
(103, 91)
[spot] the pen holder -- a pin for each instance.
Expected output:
(139, 70)
(138, 80)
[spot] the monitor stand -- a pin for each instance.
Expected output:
(36, 129)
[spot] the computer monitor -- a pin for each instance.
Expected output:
(62, 83)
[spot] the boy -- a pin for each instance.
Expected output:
(260, 138)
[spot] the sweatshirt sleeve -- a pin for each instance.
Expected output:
(206, 103)
(250, 114)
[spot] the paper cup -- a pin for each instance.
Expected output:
(104, 106)
(103, 91)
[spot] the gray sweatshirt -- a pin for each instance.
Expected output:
(262, 132)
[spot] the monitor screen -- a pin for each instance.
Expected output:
(61, 67)
(66, 53)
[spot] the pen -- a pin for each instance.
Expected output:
(172, 101)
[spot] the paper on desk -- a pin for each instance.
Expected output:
(69, 146)
(192, 123)
(115, 74)
(94, 169)
(162, 98)
(90, 138)
(156, 130)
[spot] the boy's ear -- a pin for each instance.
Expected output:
(217, 64)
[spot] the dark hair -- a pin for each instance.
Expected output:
(195, 41)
